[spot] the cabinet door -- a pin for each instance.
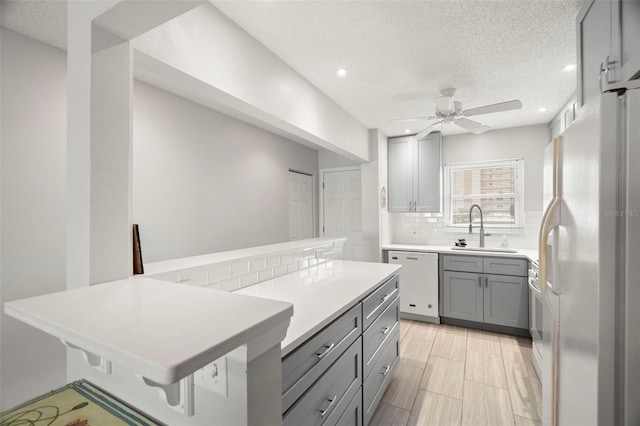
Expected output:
(463, 296)
(506, 301)
(594, 45)
(400, 193)
(626, 33)
(427, 176)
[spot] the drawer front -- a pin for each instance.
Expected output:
(301, 368)
(377, 382)
(452, 262)
(378, 301)
(506, 266)
(380, 331)
(352, 415)
(331, 393)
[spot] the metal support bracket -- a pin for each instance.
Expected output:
(179, 395)
(99, 363)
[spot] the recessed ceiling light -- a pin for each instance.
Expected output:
(543, 109)
(341, 72)
(407, 131)
(569, 67)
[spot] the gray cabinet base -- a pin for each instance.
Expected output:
(416, 317)
(487, 327)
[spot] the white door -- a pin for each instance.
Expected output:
(300, 206)
(342, 205)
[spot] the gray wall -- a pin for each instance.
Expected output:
(33, 146)
(204, 182)
(526, 142)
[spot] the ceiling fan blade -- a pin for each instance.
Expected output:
(426, 131)
(471, 125)
(431, 117)
(488, 109)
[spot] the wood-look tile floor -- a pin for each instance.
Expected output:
(457, 376)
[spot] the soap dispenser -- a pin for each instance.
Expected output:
(505, 242)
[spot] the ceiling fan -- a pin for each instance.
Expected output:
(450, 111)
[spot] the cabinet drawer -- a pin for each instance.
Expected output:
(462, 263)
(375, 385)
(380, 331)
(352, 415)
(301, 368)
(331, 393)
(377, 301)
(505, 266)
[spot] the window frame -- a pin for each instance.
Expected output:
(516, 163)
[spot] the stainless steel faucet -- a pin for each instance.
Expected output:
(482, 234)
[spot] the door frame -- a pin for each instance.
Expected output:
(321, 191)
(313, 212)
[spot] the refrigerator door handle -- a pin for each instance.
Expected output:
(550, 220)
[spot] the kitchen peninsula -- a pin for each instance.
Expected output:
(145, 334)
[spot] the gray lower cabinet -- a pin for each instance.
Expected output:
(463, 296)
(338, 376)
(490, 290)
(506, 301)
(326, 400)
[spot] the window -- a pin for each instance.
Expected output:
(496, 186)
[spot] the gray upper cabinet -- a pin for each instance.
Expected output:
(415, 174)
(400, 177)
(427, 173)
(608, 48)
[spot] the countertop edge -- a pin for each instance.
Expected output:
(530, 254)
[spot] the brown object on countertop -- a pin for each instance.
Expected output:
(137, 252)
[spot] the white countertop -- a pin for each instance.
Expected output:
(161, 330)
(531, 254)
(227, 256)
(321, 294)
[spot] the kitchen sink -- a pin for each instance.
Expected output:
(495, 250)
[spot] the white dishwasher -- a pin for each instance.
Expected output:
(418, 284)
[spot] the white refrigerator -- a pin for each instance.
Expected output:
(590, 260)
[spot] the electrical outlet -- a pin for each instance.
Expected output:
(213, 377)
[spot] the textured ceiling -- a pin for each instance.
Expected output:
(399, 54)
(43, 20)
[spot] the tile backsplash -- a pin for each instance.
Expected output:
(429, 229)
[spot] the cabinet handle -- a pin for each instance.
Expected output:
(604, 68)
(384, 299)
(409, 205)
(385, 330)
(486, 281)
(479, 281)
(328, 349)
(415, 206)
(412, 258)
(331, 402)
(387, 368)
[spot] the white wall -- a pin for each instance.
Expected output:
(33, 81)
(526, 142)
(204, 182)
(328, 160)
(244, 75)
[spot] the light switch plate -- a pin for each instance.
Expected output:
(213, 377)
